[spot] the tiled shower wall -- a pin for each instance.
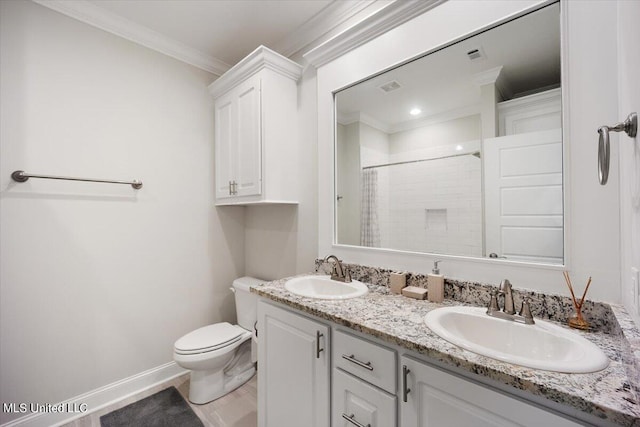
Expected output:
(433, 206)
(430, 206)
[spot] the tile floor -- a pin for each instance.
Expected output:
(236, 409)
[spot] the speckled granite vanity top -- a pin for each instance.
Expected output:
(609, 394)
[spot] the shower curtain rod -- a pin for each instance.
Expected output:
(474, 153)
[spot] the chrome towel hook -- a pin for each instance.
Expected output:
(629, 126)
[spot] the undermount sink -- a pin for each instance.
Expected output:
(540, 346)
(322, 287)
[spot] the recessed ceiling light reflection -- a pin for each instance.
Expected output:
(415, 111)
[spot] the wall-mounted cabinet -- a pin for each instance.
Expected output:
(256, 130)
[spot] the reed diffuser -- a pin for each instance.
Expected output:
(576, 320)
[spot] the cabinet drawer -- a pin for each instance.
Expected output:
(363, 403)
(366, 360)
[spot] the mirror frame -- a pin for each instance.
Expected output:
(418, 37)
(564, 118)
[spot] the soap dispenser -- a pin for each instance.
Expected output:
(435, 284)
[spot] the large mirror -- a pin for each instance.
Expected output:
(458, 152)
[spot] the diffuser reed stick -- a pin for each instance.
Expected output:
(585, 291)
(576, 320)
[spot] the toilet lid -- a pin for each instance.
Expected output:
(209, 338)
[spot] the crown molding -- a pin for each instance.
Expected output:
(541, 98)
(98, 17)
(329, 18)
(347, 119)
(539, 91)
(488, 76)
(257, 60)
(387, 18)
(496, 77)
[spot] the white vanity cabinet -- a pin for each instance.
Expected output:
(255, 105)
(431, 397)
(364, 383)
(293, 369)
(312, 373)
(357, 403)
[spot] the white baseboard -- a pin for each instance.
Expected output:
(99, 398)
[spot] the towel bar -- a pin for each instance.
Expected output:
(22, 176)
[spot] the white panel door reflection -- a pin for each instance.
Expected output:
(523, 196)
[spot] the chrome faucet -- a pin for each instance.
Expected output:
(338, 272)
(509, 312)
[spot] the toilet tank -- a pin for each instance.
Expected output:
(246, 302)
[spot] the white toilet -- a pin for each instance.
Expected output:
(220, 356)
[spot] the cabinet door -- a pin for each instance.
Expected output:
(248, 164)
(356, 402)
(225, 110)
(293, 369)
(437, 398)
(238, 141)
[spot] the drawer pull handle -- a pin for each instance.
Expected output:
(405, 390)
(351, 419)
(318, 349)
(352, 359)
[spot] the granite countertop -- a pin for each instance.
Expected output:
(607, 394)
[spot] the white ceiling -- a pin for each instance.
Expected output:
(215, 34)
(442, 84)
(225, 29)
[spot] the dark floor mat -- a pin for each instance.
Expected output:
(166, 408)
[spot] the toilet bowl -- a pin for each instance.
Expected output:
(220, 355)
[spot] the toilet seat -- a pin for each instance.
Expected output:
(209, 338)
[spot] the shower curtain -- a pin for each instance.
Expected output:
(369, 228)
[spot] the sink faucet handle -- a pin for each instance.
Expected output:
(493, 302)
(525, 311)
(347, 274)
